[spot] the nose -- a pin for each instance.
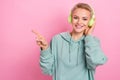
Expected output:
(79, 21)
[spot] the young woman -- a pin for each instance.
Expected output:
(73, 55)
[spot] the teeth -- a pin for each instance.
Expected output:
(79, 26)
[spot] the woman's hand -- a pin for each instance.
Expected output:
(40, 40)
(89, 30)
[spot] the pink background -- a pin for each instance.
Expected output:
(19, 54)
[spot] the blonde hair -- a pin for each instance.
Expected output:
(83, 6)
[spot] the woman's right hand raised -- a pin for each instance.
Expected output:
(40, 40)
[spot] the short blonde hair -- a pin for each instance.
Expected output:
(82, 6)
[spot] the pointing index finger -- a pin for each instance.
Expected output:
(36, 33)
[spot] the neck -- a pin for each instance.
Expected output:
(76, 36)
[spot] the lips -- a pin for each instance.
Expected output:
(78, 26)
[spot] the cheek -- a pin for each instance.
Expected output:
(86, 22)
(74, 21)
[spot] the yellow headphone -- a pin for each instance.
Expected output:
(91, 22)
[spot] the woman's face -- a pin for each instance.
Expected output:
(80, 19)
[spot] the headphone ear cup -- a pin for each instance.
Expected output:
(70, 18)
(91, 22)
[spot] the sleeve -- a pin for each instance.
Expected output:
(93, 52)
(47, 58)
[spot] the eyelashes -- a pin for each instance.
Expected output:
(83, 18)
(75, 17)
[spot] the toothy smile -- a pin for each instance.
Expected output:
(78, 26)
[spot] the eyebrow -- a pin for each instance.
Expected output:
(85, 17)
(75, 15)
(82, 17)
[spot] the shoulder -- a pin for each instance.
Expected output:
(92, 37)
(59, 35)
(63, 36)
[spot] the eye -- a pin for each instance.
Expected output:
(85, 19)
(75, 17)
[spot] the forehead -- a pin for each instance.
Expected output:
(80, 12)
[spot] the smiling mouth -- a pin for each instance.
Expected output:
(79, 26)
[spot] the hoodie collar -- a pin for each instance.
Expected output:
(68, 37)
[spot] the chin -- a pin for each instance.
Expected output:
(78, 30)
